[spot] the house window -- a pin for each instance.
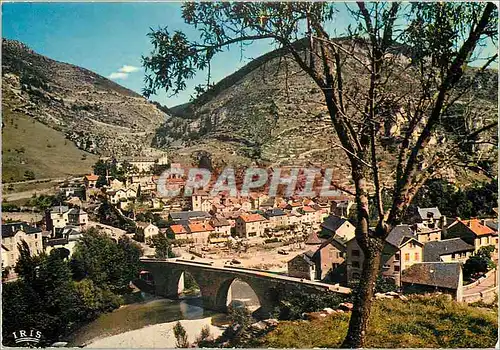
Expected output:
(396, 257)
(396, 268)
(355, 264)
(36, 236)
(407, 256)
(453, 256)
(417, 256)
(355, 252)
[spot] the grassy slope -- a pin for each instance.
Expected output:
(396, 324)
(46, 151)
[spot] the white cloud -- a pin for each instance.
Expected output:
(123, 72)
(128, 69)
(118, 75)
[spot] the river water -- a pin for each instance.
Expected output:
(157, 310)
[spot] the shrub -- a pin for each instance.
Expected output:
(181, 340)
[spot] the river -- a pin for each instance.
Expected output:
(154, 311)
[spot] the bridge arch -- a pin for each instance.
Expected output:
(265, 295)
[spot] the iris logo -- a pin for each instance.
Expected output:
(31, 336)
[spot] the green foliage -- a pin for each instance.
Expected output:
(44, 202)
(396, 324)
(108, 264)
(479, 263)
(293, 305)
(474, 201)
(109, 215)
(385, 284)
(181, 340)
(163, 250)
(190, 283)
(204, 336)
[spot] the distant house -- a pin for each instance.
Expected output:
(427, 277)
(338, 226)
(475, 232)
(148, 229)
(276, 217)
(426, 234)
(189, 216)
(67, 238)
(78, 217)
(448, 250)
(90, 181)
(251, 225)
(318, 263)
(221, 226)
(308, 214)
(200, 201)
(56, 217)
(16, 232)
(430, 217)
(177, 231)
(200, 232)
(402, 249)
(303, 266)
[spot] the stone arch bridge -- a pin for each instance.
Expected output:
(215, 282)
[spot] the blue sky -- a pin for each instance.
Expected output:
(110, 38)
(104, 37)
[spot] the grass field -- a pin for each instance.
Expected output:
(418, 323)
(28, 145)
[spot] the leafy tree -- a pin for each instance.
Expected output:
(440, 40)
(479, 263)
(385, 284)
(108, 264)
(163, 250)
(180, 336)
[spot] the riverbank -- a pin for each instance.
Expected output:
(156, 336)
(138, 316)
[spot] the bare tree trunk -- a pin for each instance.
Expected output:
(371, 246)
(363, 296)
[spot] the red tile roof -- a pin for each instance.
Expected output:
(479, 229)
(252, 218)
(92, 177)
(308, 209)
(200, 227)
(178, 229)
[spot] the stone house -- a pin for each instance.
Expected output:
(426, 234)
(430, 277)
(430, 217)
(277, 218)
(303, 266)
(177, 231)
(78, 217)
(251, 225)
(319, 263)
(200, 201)
(448, 250)
(308, 215)
(90, 181)
(337, 226)
(148, 229)
(475, 232)
(199, 232)
(13, 234)
(221, 226)
(401, 250)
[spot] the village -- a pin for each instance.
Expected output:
(308, 238)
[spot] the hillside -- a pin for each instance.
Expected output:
(28, 145)
(271, 112)
(98, 115)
